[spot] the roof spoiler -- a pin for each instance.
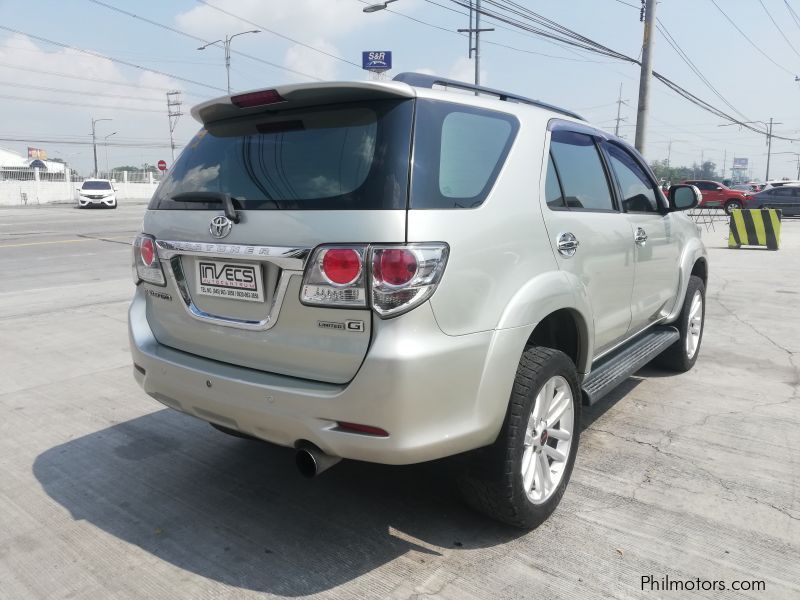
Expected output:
(300, 95)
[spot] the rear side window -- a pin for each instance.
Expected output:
(581, 171)
(552, 189)
(636, 189)
(458, 153)
(351, 156)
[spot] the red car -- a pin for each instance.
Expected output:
(717, 195)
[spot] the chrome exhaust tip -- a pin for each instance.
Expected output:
(311, 461)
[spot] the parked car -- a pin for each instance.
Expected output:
(785, 197)
(779, 183)
(97, 192)
(717, 195)
(396, 273)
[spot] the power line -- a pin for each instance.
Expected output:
(685, 57)
(112, 59)
(79, 92)
(795, 16)
(79, 142)
(92, 79)
(81, 104)
(199, 39)
(276, 33)
(778, 27)
(752, 43)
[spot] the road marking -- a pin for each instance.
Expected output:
(119, 237)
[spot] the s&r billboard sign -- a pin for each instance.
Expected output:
(740, 163)
(376, 60)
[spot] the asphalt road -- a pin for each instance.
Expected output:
(106, 494)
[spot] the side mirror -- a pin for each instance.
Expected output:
(683, 197)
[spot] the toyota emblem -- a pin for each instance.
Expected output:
(220, 226)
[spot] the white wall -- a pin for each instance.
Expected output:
(43, 192)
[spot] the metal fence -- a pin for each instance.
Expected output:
(25, 185)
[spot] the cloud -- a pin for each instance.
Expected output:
(305, 60)
(304, 19)
(43, 104)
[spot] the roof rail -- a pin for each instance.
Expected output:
(428, 81)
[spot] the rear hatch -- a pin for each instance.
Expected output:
(317, 165)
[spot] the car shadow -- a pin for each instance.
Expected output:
(238, 512)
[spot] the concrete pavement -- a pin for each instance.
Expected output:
(106, 494)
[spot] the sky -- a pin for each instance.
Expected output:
(50, 93)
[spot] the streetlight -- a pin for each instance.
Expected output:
(376, 7)
(94, 141)
(227, 45)
(105, 143)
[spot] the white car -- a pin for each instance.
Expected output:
(97, 192)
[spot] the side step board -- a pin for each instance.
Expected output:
(624, 362)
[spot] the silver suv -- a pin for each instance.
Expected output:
(397, 272)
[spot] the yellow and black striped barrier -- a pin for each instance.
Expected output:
(755, 227)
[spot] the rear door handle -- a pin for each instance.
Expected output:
(567, 244)
(641, 236)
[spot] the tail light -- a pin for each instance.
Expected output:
(399, 277)
(146, 264)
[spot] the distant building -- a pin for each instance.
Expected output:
(13, 160)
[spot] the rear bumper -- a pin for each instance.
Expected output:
(436, 395)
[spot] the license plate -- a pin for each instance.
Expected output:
(235, 281)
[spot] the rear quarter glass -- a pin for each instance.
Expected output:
(351, 156)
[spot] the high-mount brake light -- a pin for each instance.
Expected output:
(261, 98)
(400, 277)
(146, 264)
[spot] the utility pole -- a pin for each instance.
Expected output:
(769, 145)
(94, 141)
(620, 102)
(174, 113)
(646, 73)
(477, 31)
(724, 163)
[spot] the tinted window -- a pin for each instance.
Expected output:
(458, 153)
(783, 192)
(581, 171)
(352, 156)
(552, 188)
(637, 191)
(706, 186)
(96, 185)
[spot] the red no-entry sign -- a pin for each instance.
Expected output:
(162, 165)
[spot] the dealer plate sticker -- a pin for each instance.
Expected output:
(235, 281)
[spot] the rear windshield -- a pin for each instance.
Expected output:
(346, 157)
(353, 156)
(96, 185)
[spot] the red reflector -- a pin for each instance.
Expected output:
(395, 266)
(365, 429)
(147, 251)
(257, 99)
(341, 265)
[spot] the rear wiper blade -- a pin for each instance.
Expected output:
(225, 199)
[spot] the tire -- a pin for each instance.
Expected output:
(678, 357)
(492, 477)
(731, 205)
